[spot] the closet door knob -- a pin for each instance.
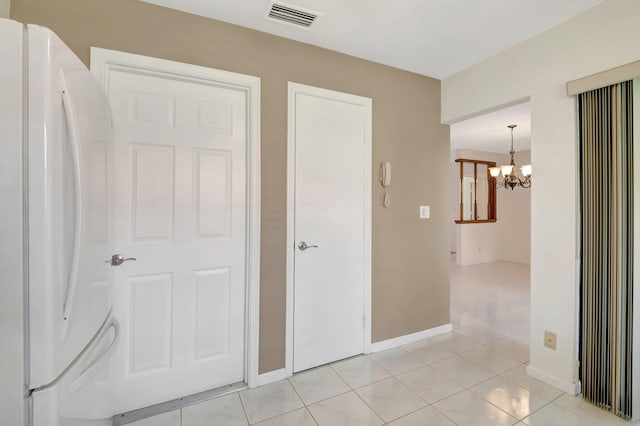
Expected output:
(304, 246)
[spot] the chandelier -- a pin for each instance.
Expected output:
(510, 178)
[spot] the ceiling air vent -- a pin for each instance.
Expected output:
(291, 15)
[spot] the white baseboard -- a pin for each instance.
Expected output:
(283, 373)
(272, 376)
(409, 338)
(564, 385)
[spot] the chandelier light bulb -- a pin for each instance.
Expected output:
(506, 170)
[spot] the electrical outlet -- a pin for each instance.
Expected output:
(550, 340)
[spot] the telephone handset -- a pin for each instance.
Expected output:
(385, 173)
(385, 180)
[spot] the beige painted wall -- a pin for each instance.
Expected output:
(5, 7)
(599, 39)
(410, 262)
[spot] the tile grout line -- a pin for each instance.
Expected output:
(547, 402)
(351, 390)
(535, 411)
(494, 405)
(444, 414)
(367, 384)
(328, 398)
(305, 406)
(376, 363)
(468, 388)
(244, 410)
(393, 376)
(370, 407)
(275, 417)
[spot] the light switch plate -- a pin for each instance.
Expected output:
(425, 212)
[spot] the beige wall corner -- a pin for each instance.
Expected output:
(5, 8)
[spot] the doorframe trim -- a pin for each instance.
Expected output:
(367, 103)
(103, 61)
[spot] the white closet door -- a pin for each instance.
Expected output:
(180, 203)
(330, 196)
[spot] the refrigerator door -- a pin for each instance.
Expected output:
(69, 161)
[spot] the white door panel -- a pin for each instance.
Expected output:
(330, 195)
(180, 207)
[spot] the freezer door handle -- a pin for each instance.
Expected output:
(90, 370)
(107, 324)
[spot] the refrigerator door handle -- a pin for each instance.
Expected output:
(104, 327)
(91, 369)
(74, 136)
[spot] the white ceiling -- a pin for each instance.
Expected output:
(436, 38)
(489, 132)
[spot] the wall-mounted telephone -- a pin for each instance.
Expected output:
(385, 173)
(385, 180)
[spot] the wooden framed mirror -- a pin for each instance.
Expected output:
(477, 192)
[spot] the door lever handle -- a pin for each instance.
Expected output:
(304, 246)
(118, 259)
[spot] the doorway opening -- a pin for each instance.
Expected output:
(490, 272)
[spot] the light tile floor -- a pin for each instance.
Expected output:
(475, 375)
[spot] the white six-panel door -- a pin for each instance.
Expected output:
(180, 210)
(330, 184)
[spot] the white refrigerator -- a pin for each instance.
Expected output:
(55, 160)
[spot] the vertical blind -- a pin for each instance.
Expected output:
(606, 187)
